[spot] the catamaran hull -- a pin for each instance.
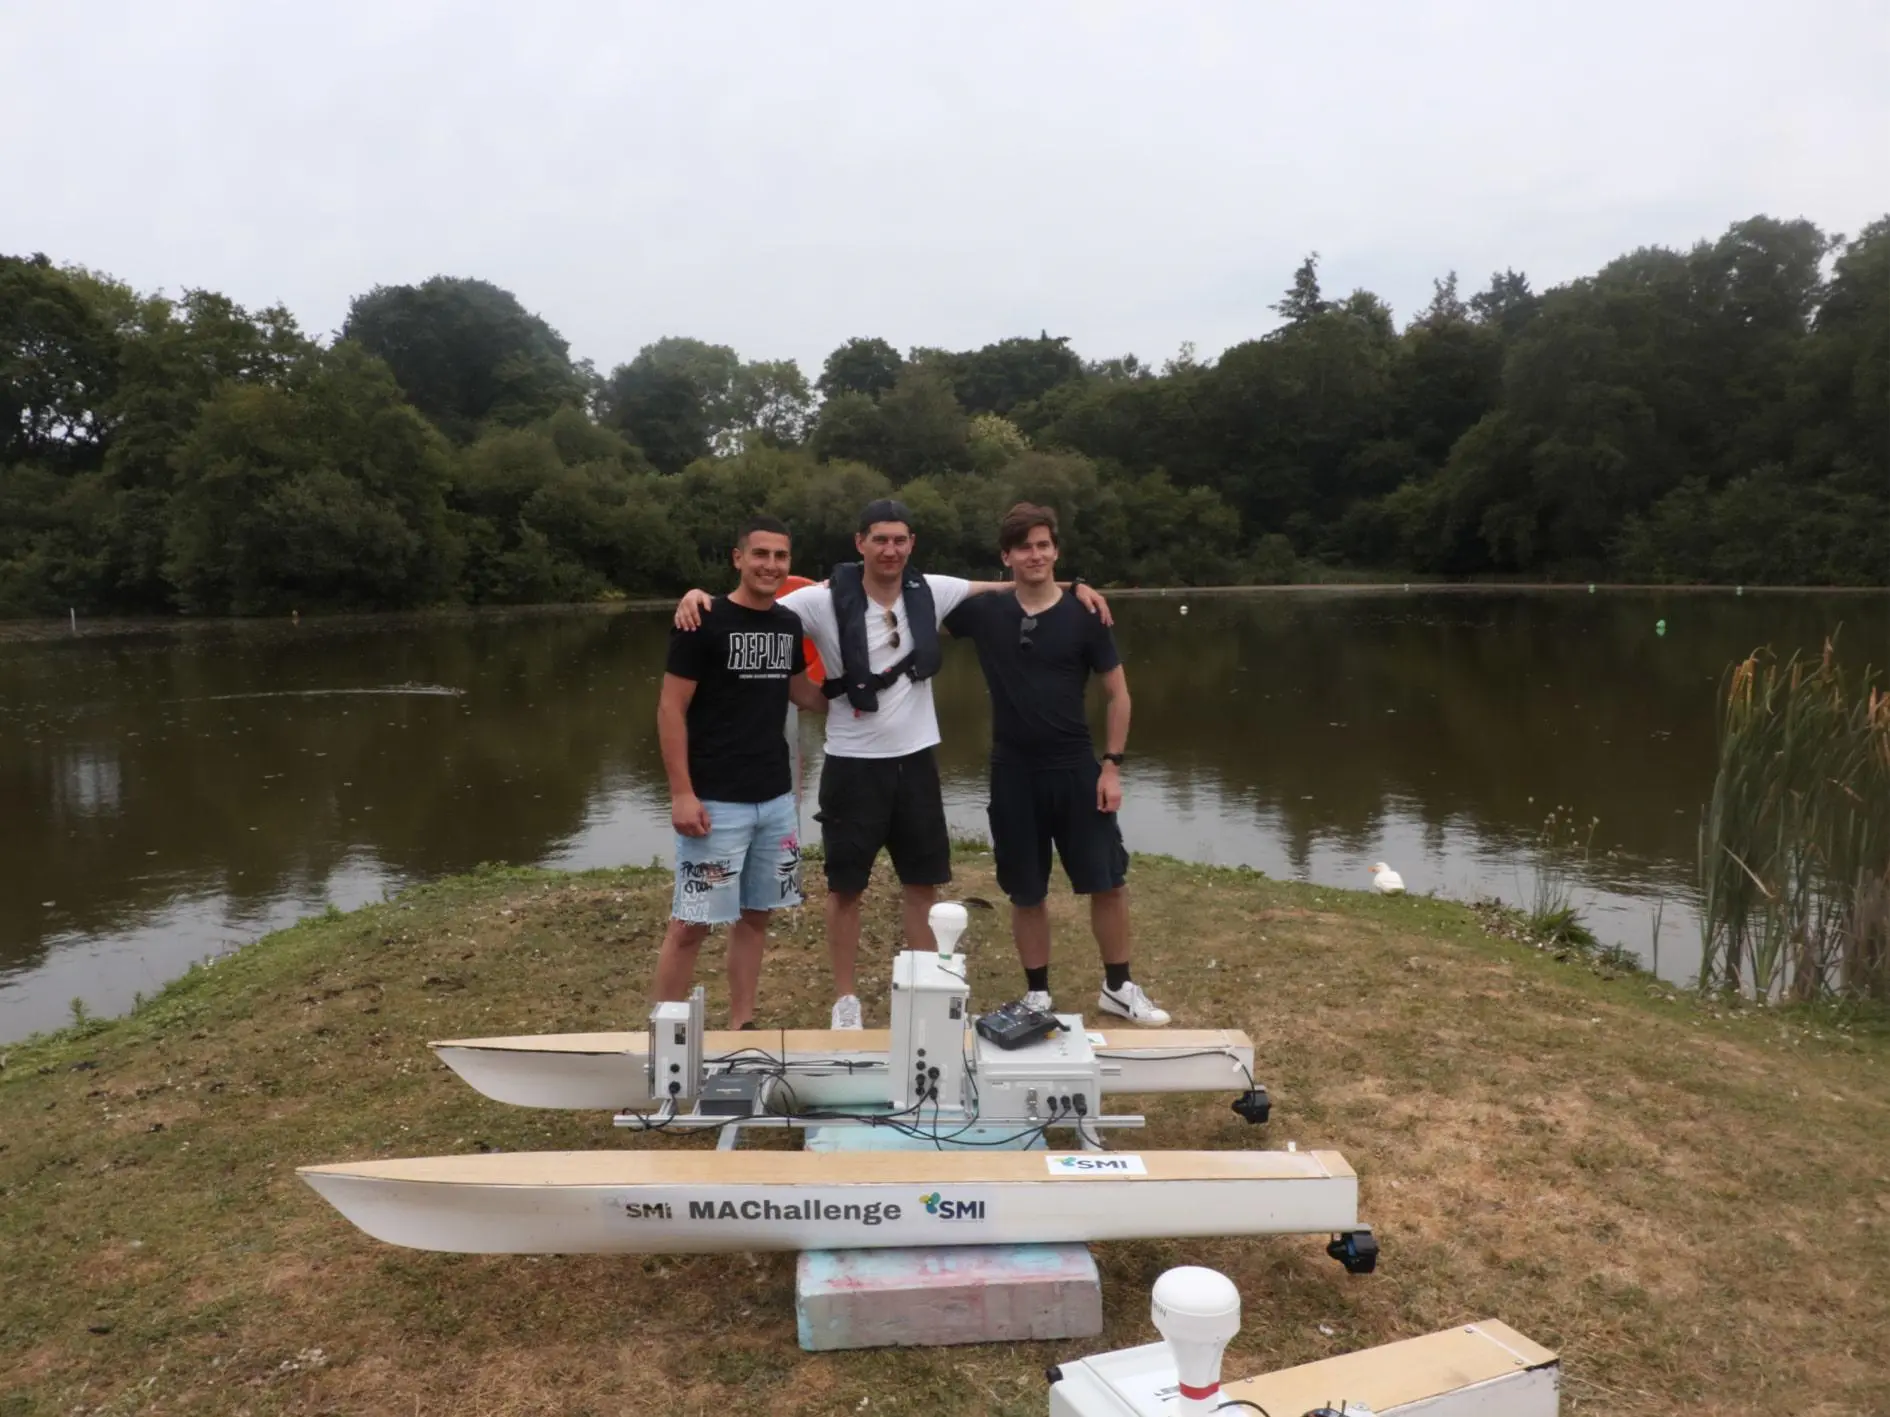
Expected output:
(695, 1202)
(828, 1068)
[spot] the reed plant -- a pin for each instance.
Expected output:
(1562, 849)
(1795, 842)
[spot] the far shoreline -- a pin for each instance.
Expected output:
(53, 629)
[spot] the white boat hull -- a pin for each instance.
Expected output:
(686, 1202)
(829, 1068)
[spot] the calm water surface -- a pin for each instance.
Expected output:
(164, 798)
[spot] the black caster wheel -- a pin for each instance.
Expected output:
(1357, 1250)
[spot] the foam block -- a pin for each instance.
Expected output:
(936, 1295)
(946, 1294)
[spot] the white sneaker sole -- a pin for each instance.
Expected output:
(1115, 1010)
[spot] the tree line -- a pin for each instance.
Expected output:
(1720, 414)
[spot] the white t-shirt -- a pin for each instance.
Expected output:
(906, 721)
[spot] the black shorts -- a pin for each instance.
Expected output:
(867, 803)
(1035, 808)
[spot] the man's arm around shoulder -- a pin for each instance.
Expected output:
(806, 695)
(1086, 595)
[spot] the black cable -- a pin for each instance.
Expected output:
(1198, 1053)
(1243, 1402)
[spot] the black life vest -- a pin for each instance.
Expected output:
(856, 678)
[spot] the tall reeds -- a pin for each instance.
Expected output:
(1795, 844)
(1561, 855)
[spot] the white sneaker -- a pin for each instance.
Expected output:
(846, 1012)
(1039, 999)
(1131, 1003)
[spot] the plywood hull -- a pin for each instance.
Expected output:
(830, 1068)
(677, 1202)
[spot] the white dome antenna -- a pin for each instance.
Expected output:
(1197, 1311)
(948, 920)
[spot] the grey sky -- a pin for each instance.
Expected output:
(781, 176)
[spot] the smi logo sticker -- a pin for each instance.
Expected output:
(936, 1204)
(1096, 1164)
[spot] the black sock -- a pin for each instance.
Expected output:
(1038, 980)
(1115, 975)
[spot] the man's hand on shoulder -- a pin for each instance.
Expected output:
(688, 815)
(691, 608)
(1088, 597)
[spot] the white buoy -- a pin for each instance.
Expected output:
(1184, 610)
(1387, 881)
(948, 920)
(1197, 1311)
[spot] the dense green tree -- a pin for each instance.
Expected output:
(1302, 301)
(1715, 414)
(773, 403)
(1449, 376)
(1288, 412)
(925, 427)
(1508, 304)
(851, 428)
(59, 355)
(563, 510)
(1121, 369)
(1002, 376)
(993, 441)
(466, 352)
(860, 366)
(661, 410)
(682, 398)
(325, 493)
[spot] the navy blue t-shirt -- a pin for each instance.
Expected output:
(1037, 668)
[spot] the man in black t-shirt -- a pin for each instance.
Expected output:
(1038, 649)
(724, 700)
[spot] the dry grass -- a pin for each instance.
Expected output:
(1694, 1207)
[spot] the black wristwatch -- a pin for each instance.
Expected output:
(1077, 583)
(1115, 758)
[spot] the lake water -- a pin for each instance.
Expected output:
(167, 797)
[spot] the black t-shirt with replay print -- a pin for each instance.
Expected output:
(741, 661)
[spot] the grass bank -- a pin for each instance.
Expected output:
(1692, 1205)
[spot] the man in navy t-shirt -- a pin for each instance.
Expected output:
(1038, 649)
(725, 696)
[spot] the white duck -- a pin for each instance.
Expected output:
(1387, 881)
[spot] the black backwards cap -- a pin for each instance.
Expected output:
(884, 509)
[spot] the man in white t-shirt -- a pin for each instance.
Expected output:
(879, 786)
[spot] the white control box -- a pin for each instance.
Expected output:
(1054, 1077)
(675, 1066)
(930, 1014)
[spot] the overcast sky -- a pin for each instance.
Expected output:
(781, 176)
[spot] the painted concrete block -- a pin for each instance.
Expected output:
(946, 1294)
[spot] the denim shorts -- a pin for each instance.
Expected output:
(750, 860)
